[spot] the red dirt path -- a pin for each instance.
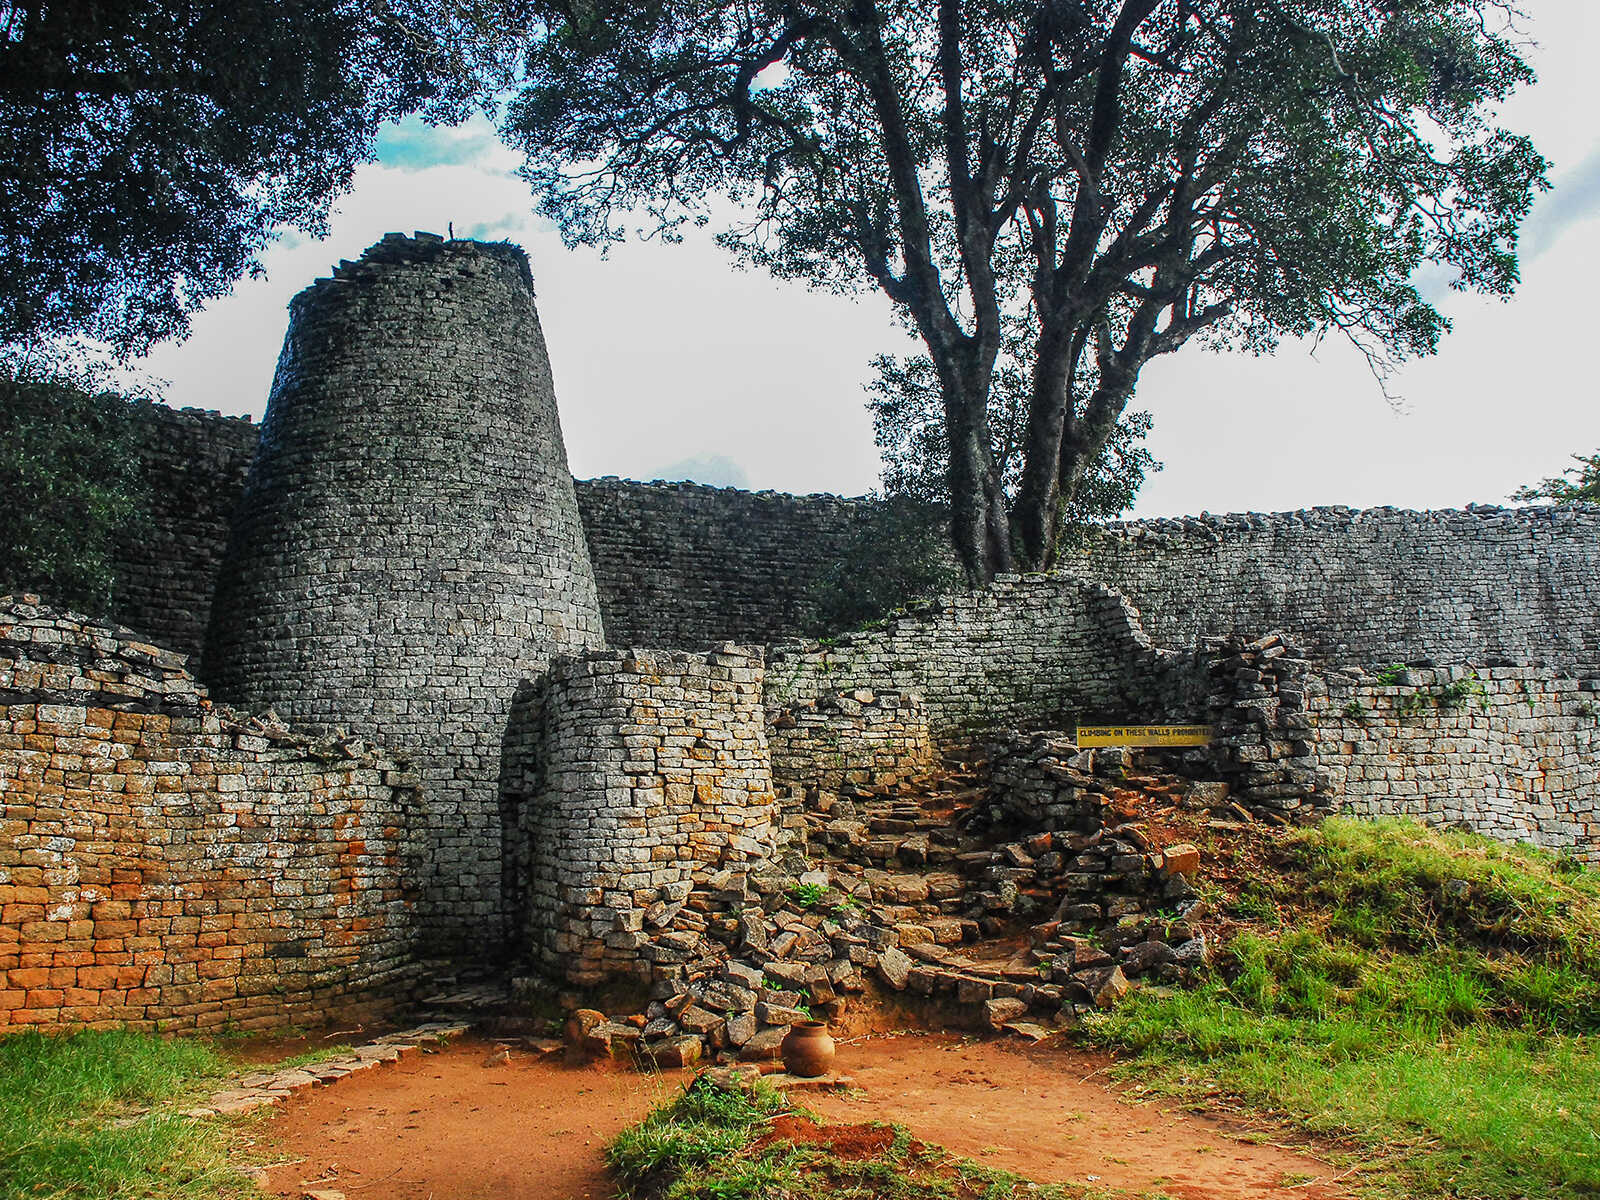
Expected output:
(1044, 1114)
(447, 1127)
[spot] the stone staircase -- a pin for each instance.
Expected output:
(1013, 888)
(1000, 919)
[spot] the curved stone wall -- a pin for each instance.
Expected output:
(171, 865)
(194, 465)
(408, 545)
(687, 565)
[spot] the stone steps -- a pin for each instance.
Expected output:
(932, 887)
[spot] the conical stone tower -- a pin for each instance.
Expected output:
(408, 546)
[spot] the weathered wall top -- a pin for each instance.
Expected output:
(1360, 587)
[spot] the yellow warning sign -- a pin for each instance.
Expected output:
(1144, 735)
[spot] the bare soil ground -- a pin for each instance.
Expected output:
(1045, 1114)
(447, 1126)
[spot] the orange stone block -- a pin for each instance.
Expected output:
(97, 977)
(1181, 859)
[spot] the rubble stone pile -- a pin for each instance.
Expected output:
(1265, 745)
(940, 888)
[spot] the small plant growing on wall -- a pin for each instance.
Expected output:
(1415, 703)
(1462, 692)
(1355, 711)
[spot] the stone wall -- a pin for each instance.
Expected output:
(1035, 652)
(408, 547)
(1371, 587)
(859, 736)
(1513, 752)
(1260, 711)
(194, 465)
(686, 565)
(682, 564)
(631, 777)
(170, 865)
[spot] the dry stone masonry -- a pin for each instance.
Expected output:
(1513, 752)
(1358, 588)
(1037, 651)
(682, 564)
(687, 565)
(193, 464)
(857, 736)
(645, 772)
(408, 546)
(731, 837)
(1259, 704)
(169, 865)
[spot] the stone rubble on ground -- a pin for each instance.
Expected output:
(1018, 892)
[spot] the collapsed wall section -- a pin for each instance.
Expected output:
(169, 865)
(1032, 652)
(408, 546)
(631, 777)
(1364, 588)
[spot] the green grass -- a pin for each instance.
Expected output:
(703, 1146)
(1430, 1000)
(61, 1096)
(307, 1058)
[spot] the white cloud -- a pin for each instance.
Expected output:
(668, 353)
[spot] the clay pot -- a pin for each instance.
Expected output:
(807, 1049)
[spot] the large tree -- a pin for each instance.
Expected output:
(1122, 175)
(149, 150)
(907, 408)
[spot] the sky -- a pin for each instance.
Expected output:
(670, 362)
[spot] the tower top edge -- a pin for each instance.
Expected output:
(397, 250)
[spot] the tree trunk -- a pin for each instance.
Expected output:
(1038, 497)
(1089, 434)
(998, 524)
(966, 431)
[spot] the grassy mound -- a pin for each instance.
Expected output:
(729, 1143)
(60, 1133)
(1429, 999)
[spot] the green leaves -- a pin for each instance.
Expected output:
(1583, 486)
(74, 485)
(151, 150)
